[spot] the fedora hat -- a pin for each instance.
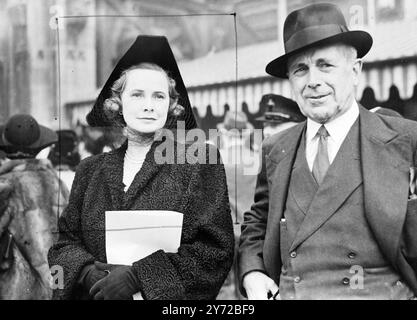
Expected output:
(279, 109)
(318, 24)
(23, 135)
(151, 49)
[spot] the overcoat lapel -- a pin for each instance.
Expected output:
(386, 180)
(342, 178)
(146, 173)
(279, 164)
(113, 173)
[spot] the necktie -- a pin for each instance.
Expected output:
(321, 162)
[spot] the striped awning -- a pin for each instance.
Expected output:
(211, 80)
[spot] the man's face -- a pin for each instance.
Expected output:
(323, 81)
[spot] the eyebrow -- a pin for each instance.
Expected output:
(140, 90)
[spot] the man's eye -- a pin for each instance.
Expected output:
(325, 65)
(300, 70)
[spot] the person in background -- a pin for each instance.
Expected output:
(31, 197)
(145, 94)
(280, 113)
(64, 156)
(239, 160)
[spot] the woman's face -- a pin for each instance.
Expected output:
(145, 100)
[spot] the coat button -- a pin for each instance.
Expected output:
(293, 254)
(297, 279)
(345, 281)
(352, 255)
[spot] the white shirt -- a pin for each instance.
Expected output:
(337, 129)
(134, 158)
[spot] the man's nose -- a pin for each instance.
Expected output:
(313, 78)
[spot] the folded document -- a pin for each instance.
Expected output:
(134, 234)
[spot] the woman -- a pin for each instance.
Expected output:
(142, 97)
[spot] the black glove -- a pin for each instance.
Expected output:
(120, 284)
(90, 274)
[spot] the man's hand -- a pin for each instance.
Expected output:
(257, 285)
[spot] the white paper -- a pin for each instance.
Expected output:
(134, 234)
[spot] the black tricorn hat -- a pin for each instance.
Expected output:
(316, 25)
(279, 109)
(23, 136)
(151, 49)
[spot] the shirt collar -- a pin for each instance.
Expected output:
(337, 128)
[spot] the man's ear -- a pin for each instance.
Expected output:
(357, 70)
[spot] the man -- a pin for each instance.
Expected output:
(281, 113)
(332, 217)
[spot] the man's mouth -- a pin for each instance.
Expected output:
(317, 97)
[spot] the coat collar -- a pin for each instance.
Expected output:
(113, 171)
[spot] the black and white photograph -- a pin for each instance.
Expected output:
(220, 151)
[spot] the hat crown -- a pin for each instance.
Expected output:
(313, 16)
(280, 109)
(22, 130)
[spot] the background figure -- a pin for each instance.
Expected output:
(64, 156)
(31, 196)
(280, 113)
(235, 134)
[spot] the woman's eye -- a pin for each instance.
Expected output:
(160, 96)
(137, 94)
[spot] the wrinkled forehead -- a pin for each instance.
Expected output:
(330, 52)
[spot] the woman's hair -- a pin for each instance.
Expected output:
(113, 105)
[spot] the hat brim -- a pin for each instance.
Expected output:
(47, 137)
(360, 40)
(151, 49)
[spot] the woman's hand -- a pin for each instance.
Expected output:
(120, 283)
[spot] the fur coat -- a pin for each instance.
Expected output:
(196, 189)
(31, 196)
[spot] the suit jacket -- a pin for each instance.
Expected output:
(388, 150)
(196, 189)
